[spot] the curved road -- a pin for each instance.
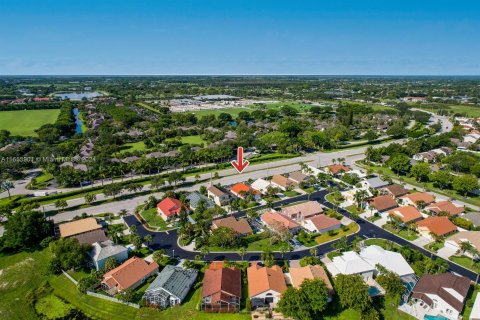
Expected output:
(168, 239)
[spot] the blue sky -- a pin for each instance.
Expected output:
(389, 37)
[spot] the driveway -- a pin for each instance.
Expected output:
(422, 241)
(446, 252)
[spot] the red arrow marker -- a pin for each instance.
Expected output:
(239, 164)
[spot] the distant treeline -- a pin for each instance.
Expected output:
(31, 106)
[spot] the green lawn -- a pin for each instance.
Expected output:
(52, 307)
(466, 262)
(133, 146)
(233, 111)
(470, 301)
(406, 234)
(291, 193)
(193, 139)
(352, 228)
(434, 246)
(25, 122)
(42, 181)
(259, 245)
(470, 111)
(20, 273)
(152, 217)
(385, 244)
(354, 209)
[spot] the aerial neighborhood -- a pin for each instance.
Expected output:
(137, 201)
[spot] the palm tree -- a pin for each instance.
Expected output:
(359, 197)
(314, 251)
(267, 257)
(122, 212)
(148, 239)
(466, 246)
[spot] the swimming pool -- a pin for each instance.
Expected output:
(373, 291)
(429, 317)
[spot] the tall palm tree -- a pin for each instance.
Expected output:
(242, 252)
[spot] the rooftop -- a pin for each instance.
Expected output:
(437, 225)
(78, 226)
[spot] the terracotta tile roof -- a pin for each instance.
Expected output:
(382, 203)
(446, 206)
(439, 284)
(282, 181)
(222, 282)
(323, 221)
(78, 226)
(420, 196)
(304, 209)
(129, 273)
(170, 206)
(406, 213)
(241, 187)
(337, 168)
(437, 225)
(396, 190)
(240, 226)
(275, 218)
(298, 275)
(261, 279)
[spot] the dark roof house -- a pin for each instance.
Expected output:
(222, 290)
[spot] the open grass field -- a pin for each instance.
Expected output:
(134, 146)
(469, 111)
(233, 111)
(193, 139)
(25, 122)
(152, 217)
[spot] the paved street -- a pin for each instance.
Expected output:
(168, 240)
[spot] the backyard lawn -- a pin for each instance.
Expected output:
(385, 244)
(25, 122)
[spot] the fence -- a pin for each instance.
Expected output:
(70, 277)
(101, 296)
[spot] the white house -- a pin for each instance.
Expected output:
(101, 251)
(374, 183)
(444, 294)
(261, 185)
(392, 261)
(351, 262)
(219, 196)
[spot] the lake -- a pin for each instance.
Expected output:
(78, 122)
(78, 95)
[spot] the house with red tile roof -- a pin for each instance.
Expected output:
(439, 226)
(129, 275)
(336, 169)
(241, 190)
(278, 222)
(265, 285)
(444, 206)
(413, 199)
(406, 213)
(321, 223)
(169, 208)
(382, 203)
(221, 290)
